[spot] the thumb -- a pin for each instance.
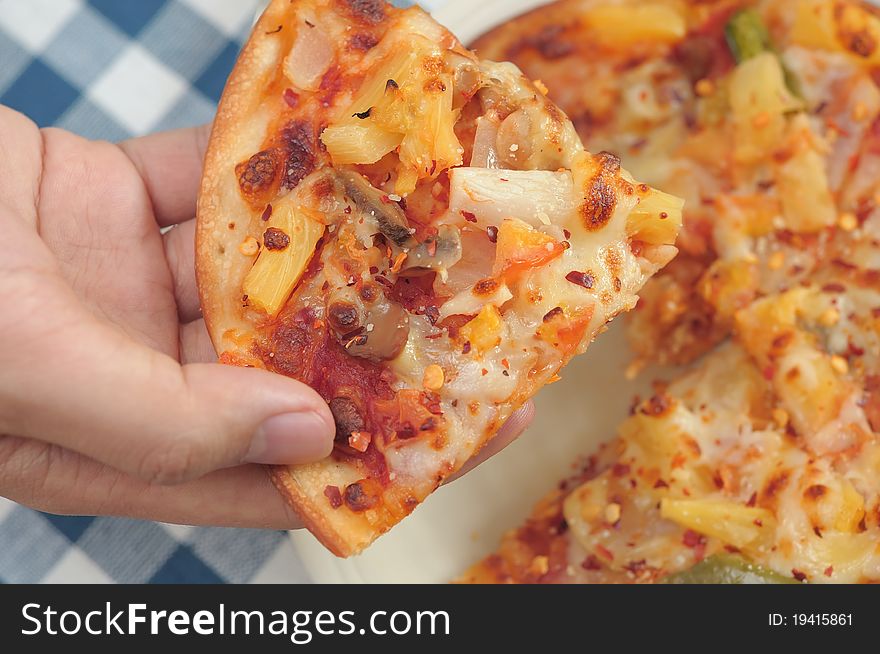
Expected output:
(101, 394)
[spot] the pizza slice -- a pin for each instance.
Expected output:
(417, 234)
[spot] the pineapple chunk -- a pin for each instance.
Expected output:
(405, 103)
(484, 331)
(358, 144)
(656, 219)
(760, 100)
(839, 27)
(803, 376)
(397, 67)
(802, 183)
(730, 285)
(834, 503)
(616, 26)
(276, 272)
(421, 111)
(733, 524)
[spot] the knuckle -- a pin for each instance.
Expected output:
(26, 467)
(170, 463)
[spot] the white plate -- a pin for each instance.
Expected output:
(461, 523)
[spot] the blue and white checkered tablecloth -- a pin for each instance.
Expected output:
(113, 69)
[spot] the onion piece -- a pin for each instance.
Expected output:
(309, 58)
(484, 152)
(489, 196)
(470, 301)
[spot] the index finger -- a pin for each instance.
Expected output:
(170, 163)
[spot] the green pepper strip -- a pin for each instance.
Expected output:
(726, 569)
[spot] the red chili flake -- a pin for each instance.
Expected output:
(604, 552)
(769, 373)
(432, 313)
(752, 500)
(566, 233)
(333, 494)
(636, 567)
(581, 279)
(758, 522)
(267, 213)
(797, 574)
(693, 539)
(553, 313)
(431, 401)
(374, 270)
(466, 348)
(505, 363)
(492, 233)
(663, 215)
(469, 216)
(591, 563)
(875, 312)
(620, 470)
(485, 372)
(384, 281)
(660, 484)
(291, 98)
(829, 571)
(834, 288)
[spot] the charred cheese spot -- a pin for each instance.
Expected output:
(371, 12)
(275, 239)
(287, 348)
(363, 42)
(815, 492)
(299, 140)
(856, 37)
(362, 495)
(485, 287)
(258, 176)
(775, 486)
(658, 406)
(601, 192)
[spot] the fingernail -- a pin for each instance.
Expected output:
(291, 438)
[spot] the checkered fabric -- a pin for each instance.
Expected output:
(114, 69)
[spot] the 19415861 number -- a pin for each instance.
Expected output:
(812, 619)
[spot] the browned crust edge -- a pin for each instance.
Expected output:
(243, 86)
(314, 518)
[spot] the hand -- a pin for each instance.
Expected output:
(110, 400)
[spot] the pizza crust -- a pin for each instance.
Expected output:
(234, 138)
